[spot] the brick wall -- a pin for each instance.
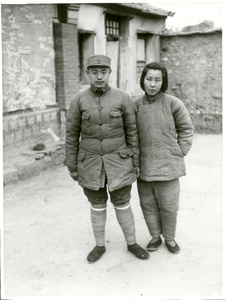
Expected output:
(67, 63)
(194, 64)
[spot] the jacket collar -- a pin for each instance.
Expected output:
(152, 99)
(99, 92)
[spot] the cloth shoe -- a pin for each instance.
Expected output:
(138, 251)
(173, 249)
(96, 254)
(154, 246)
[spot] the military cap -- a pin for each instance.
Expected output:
(98, 61)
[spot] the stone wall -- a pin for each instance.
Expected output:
(28, 72)
(194, 64)
(28, 75)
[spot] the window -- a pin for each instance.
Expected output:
(141, 56)
(112, 27)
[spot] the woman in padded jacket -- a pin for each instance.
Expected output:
(165, 134)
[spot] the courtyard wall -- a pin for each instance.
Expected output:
(194, 64)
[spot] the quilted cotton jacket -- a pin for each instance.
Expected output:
(165, 135)
(102, 130)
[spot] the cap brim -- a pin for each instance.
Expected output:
(95, 65)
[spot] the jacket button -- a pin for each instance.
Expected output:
(100, 109)
(100, 124)
(101, 139)
(102, 154)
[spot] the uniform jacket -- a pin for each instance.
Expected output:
(102, 130)
(165, 134)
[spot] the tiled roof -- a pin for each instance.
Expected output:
(147, 8)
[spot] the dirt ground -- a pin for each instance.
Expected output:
(47, 236)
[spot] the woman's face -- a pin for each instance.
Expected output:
(153, 82)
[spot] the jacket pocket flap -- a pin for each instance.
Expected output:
(116, 114)
(85, 115)
(125, 153)
(81, 156)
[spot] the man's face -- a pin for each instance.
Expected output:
(98, 76)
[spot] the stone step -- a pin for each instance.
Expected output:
(26, 163)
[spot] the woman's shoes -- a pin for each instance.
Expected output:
(154, 246)
(173, 249)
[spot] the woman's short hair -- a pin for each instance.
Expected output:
(155, 66)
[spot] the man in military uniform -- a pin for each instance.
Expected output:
(102, 152)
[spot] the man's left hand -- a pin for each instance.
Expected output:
(138, 171)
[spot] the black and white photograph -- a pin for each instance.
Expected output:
(112, 150)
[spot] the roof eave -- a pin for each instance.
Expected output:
(128, 8)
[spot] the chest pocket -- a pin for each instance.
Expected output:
(116, 118)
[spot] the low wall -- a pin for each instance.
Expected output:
(207, 122)
(29, 128)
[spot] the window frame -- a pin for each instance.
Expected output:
(112, 27)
